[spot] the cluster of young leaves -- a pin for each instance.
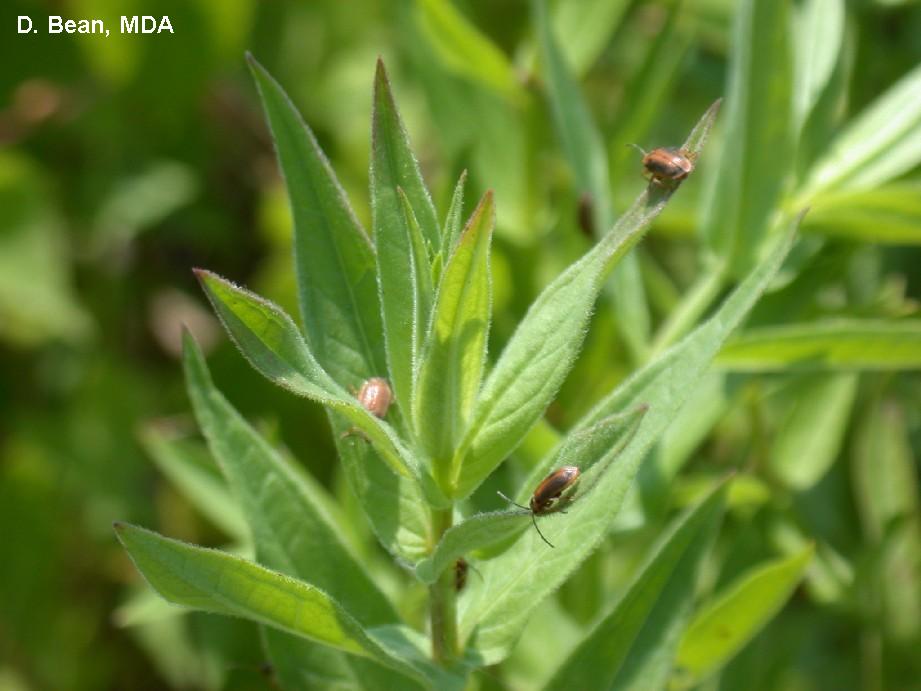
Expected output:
(412, 302)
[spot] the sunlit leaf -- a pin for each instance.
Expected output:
(723, 627)
(834, 344)
(632, 644)
(516, 582)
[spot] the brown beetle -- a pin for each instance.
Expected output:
(666, 165)
(547, 493)
(375, 396)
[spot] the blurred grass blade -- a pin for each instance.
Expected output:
(812, 433)
(464, 49)
(870, 344)
(515, 583)
(334, 259)
(723, 627)
(890, 214)
(404, 278)
(880, 144)
(886, 489)
(541, 351)
(220, 583)
(818, 33)
(592, 451)
(454, 220)
(273, 345)
(633, 643)
(586, 27)
(455, 348)
(294, 524)
(587, 155)
(758, 151)
(189, 467)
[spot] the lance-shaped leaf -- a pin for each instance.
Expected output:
(334, 259)
(455, 349)
(881, 143)
(214, 581)
(517, 581)
(591, 450)
(269, 339)
(584, 147)
(869, 344)
(293, 522)
(634, 642)
(403, 224)
(543, 347)
(758, 152)
(813, 430)
(454, 219)
(337, 290)
(723, 627)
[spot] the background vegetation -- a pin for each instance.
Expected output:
(129, 160)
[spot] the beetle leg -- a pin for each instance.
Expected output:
(534, 520)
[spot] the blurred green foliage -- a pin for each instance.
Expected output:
(128, 160)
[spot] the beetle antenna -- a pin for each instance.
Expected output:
(512, 502)
(534, 520)
(638, 148)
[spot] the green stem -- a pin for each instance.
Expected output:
(689, 310)
(443, 598)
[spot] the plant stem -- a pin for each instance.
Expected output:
(443, 599)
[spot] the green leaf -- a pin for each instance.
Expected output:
(585, 150)
(464, 49)
(758, 150)
(540, 352)
(834, 344)
(273, 345)
(455, 218)
(586, 27)
(455, 348)
(294, 524)
(479, 532)
(886, 489)
(515, 583)
(818, 32)
(337, 289)
(812, 432)
(592, 451)
(217, 582)
(633, 643)
(189, 468)
(890, 214)
(403, 269)
(880, 144)
(301, 665)
(723, 627)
